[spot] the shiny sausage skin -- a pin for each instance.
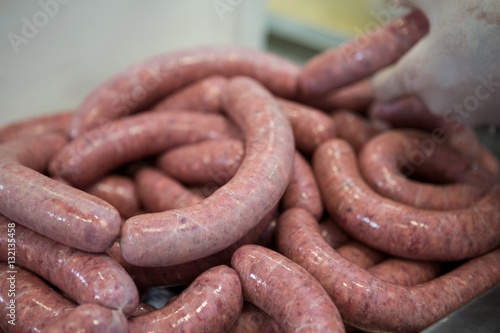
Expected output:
(285, 291)
(118, 191)
(387, 161)
(183, 274)
(36, 304)
(89, 318)
(210, 161)
(158, 192)
(371, 304)
(56, 210)
(144, 83)
(405, 272)
(310, 126)
(360, 254)
(194, 232)
(90, 156)
(57, 122)
(203, 96)
(303, 190)
(355, 97)
(354, 128)
(395, 228)
(83, 277)
(361, 57)
(212, 303)
(252, 319)
(142, 309)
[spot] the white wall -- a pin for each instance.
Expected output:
(53, 52)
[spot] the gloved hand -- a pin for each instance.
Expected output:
(455, 68)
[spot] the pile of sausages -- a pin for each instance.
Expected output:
(280, 198)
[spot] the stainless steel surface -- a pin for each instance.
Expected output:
(481, 315)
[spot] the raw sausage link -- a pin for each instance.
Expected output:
(146, 277)
(83, 277)
(360, 255)
(57, 122)
(210, 161)
(252, 319)
(35, 303)
(90, 156)
(212, 303)
(387, 161)
(190, 233)
(361, 57)
(158, 192)
(144, 83)
(354, 128)
(285, 291)
(411, 112)
(371, 304)
(89, 318)
(303, 190)
(405, 272)
(56, 210)
(310, 126)
(142, 309)
(395, 228)
(355, 97)
(118, 191)
(203, 95)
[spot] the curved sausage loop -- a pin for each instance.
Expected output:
(398, 229)
(367, 302)
(58, 211)
(186, 234)
(144, 83)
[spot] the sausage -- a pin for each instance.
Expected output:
(360, 254)
(405, 272)
(371, 304)
(310, 126)
(119, 191)
(183, 274)
(212, 303)
(252, 319)
(285, 291)
(202, 95)
(332, 233)
(56, 122)
(186, 234)
(411, 112)
(357, 96)
(144, 83)
(92, 155)
(27, 301)
(55, 210)
(361, 57)
(354, 128)
(158, 192)
(389, 160)
(303, 190)
(83, 277)
(210, 161)
(398, 229)
(89, 318)
(142, 309)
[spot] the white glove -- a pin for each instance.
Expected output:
(455, 68)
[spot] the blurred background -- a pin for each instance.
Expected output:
(53, 52)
